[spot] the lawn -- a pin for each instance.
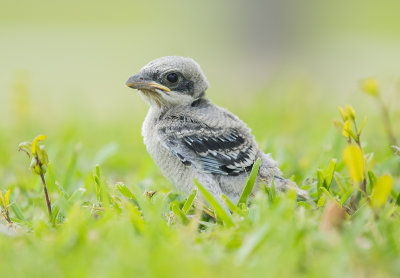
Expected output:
(113, 214)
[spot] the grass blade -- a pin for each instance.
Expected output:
(346, 196)
(124, 190)
(324, 190)
(54, 214)
(251, 243)
(17, 212)
(179, 214)
(270, 191)
(250, 184)
(219, 210)
(189, 202)
(76, 195)
(231, 205)
(329, 173)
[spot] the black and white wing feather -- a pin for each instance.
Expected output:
(221, 151)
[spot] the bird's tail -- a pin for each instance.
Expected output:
(269, 172)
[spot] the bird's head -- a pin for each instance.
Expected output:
(170, 81)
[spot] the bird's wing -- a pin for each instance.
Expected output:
(216, 150)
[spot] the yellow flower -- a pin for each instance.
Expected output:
(370, 87)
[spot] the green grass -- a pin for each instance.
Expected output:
(108, 222)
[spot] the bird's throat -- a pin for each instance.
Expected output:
(153, 98)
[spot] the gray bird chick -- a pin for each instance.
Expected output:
(191, 138)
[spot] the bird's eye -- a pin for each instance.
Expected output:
(172, 77)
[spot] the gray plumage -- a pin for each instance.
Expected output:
(189, 137)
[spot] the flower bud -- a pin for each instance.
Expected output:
(349, 110)
(370, 87)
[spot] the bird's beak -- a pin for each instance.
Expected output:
(137, 82)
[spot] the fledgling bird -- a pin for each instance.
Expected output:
(191, 138)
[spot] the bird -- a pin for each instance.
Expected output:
(190, 138)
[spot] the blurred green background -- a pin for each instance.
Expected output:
(282, 66)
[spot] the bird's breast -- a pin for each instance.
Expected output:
(171, 167)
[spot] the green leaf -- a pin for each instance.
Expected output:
(189, 202)
(231, 205)
(329, 173)
(362, 126)
(178, 213)
(54, 215)
(346, 195)
(398, 200)
(353, 135)
(26, 147)
(324, 190)
(135, 216)
(96, 177)
(34, 166)
(219, 210)
(51, 181)
(340, 182)
(244, 197)
(97, 170)
(71, 168)
(325, 177)
(77, 195)
(42, 155)
(304, 204)
(320, 177)
(17, 212)
(272, 191)
(252, 243)
(65, 204)
(106, 152)
(124, 190)
(62, 204)
(321, 202)
(372, 179)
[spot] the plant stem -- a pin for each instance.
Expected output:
(358, 142)
(7, 216)
(46, 194)
(352, 204)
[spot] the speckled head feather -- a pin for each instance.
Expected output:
(170, 80)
